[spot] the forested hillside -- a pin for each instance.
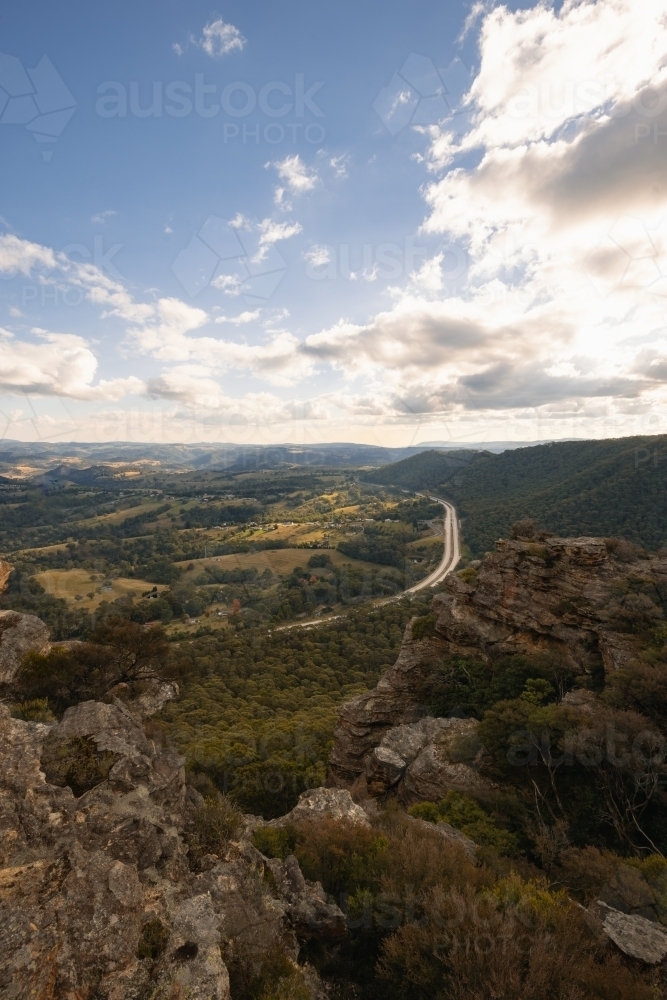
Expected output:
(427, 470)
(616, 487)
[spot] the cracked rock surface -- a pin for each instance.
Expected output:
(97, 899)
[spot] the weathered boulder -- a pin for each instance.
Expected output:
(308, 911)
(426, 759)
(97, 897)
(395, 701)
(634, 935)
(153, 694)
(5, 572)
(449, 762)
(323, 803)
(19, 634)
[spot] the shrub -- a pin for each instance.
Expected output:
(277, 978)
(212, 826)
(342, 856)
(519, 942)
(319, 560)
(275, 841)
(526, 528)
(36, 710)
(424, 627)
(466, 815)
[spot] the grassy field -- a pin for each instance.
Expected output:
(69, 583)
(279, 561)
(118, 516)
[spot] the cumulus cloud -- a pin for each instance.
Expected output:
(247, 316)
(58, 364)
(191, 386)
(19, 256)
(545, 300)
(318, 255)
(218, 39)
(272, 232)
(297, 177)
(559, 211)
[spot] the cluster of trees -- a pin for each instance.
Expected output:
(257, 707)
(426, 471)
(386, 541)
(118, 651)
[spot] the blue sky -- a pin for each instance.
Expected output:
(382, 222)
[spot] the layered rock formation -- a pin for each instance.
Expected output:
(97, 898)
(566, 596)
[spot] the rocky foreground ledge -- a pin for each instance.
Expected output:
(96, 894)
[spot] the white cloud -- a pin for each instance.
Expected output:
(559, 212)
(59, 365)
(21, 256)
(318, 255)
(272, 232)
(102, 217)
(247, 316)
(230, 284)
(218, 39)
(190, 386)
(339, 164)
(296, 175)
(553, 195)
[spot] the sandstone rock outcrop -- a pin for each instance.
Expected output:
(5, 572)
(566, 596)
(97, 898)
(635, 936)
(19, 634)
(426, 759)
(324, 803)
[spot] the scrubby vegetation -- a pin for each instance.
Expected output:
(426, 921)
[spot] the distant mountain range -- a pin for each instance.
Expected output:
(223, 456)
(233, 457)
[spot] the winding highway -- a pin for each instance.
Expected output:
(450, 560)
(452, 551)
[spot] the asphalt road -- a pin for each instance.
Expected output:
(450, 560)
(452, 552)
